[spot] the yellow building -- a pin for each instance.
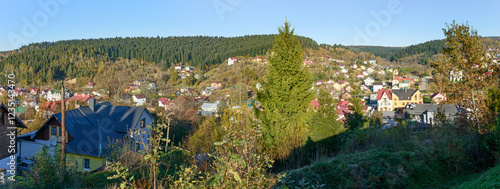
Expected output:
(400, 97)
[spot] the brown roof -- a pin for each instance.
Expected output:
(140, 96)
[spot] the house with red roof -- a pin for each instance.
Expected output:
(90, 85)
(231, 61)
(34, 91)
(79, 98)
(384, 100)
(163, 101)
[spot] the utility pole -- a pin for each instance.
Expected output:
(63, 125)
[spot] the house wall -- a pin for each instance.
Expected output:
(415, 99)
(146, 132)
(78, 160)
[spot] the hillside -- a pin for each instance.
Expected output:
(52, 61)
(383, 52)
(421, 53)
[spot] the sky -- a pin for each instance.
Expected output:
(358, 22)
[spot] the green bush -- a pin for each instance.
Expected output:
(47, 172)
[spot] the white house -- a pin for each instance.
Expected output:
(377, 86)
(344, 70)
(372, 62)
(139, 99)
(209, 108)
(369, 81)
(384, 100)
(455, 76)
(231, 61)
(55, 95)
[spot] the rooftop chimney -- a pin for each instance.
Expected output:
(92, 103)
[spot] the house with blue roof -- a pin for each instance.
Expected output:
(95, 131)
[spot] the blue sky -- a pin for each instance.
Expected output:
(399, 22)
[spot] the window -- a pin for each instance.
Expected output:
(60, 131)
(53, 131)
(143, 123)
(137, 146)
(86, 163)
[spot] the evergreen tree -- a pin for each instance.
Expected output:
(285, 96)
(324, 122)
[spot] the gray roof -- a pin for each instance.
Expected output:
(96, 132)
(448, 109)
(404, 94)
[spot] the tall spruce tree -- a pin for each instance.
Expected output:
(285, 96)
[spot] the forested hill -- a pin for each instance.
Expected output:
(383, 52)
(55, 60)
(428, 48)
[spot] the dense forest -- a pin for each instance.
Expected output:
(51, 61)
(383, 52)
(429, 48)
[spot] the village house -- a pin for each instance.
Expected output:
(79, 98)
(6, 139)
(407, 96)
(108, 129)
(426, 113)
(377, 86)
(369, 81)
(360, 76)
(372, 62)
(209, 109)
(139, 99)
(178, 68)
(345, 95)
(55, 95)
(384, 100)
(34, 91)
(163, 101)
(364, 87)
(438, 97)
(307, 63)
(90, 85)
(455, 76)
(217, 84)
(231, 61)
(344, 70)
(405, 84)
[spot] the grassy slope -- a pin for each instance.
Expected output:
(488, 179)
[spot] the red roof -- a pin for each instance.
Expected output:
(314, 104)
(344, 103)
(381, 92)
(79, 97)
(342, 109)
(140, 96)
(164, 99)
(52, 105)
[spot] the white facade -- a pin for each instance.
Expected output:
(377, 87)
(139, 101)
(385, 103)
(231, 61)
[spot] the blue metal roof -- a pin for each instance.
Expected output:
(96, 133)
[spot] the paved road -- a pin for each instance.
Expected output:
(423, 86)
